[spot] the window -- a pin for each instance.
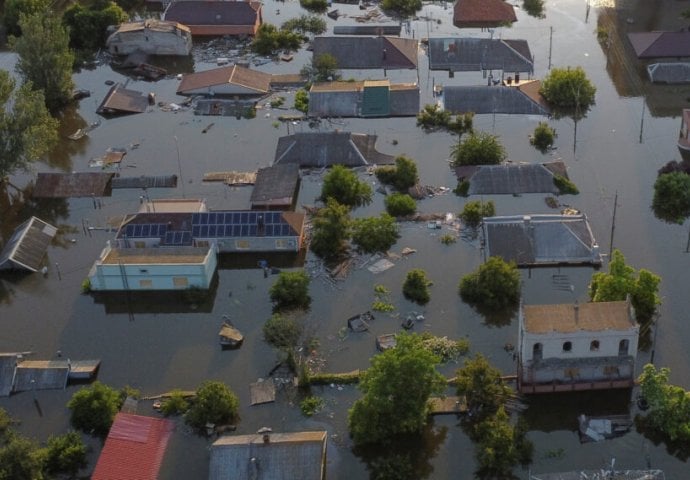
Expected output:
(594, 346)
(139, 244)
(623, 347)
(537, 351)
(145, 283)
(180, 282)
(143, 270)
(281, 243)
(242, 244)
(567, 346)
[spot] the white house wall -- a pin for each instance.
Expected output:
(150, 42)
(253, 244)
(552, 344)
(226, 89)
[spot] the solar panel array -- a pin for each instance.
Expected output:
(178, 238)
(146, 230)
(239, 224)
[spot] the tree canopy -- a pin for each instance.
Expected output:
(671, 201)
(282, 331)
(396, 390)
(94, 408)
(65, 454)
(500, 445)
(375, 234)
(669, 405)
(269, 39)
(45, 59)
(330, 230)
(400, 204)
(481, 385)
(14, 9)
(291, 290)
(402, 176)
(478, 148)
(543, 137)
(214, 403)
(323, 68)
(306, 24)
(495, 285)
(569, 92)
(474, 212)
(27, 129)
(88, 25)
(404, 8)
(342, 185)
(621, 281)
(416, 286)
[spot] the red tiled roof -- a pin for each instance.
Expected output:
(483, 12)
(134, 448)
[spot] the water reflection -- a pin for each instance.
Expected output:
(18, 205)
(70, 122)
(679, 449)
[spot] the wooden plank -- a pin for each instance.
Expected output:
(447, 405)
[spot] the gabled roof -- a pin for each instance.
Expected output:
(675, 72)
(369, 52)
(255, 80)
(324, 149)
(660, 44)
(277, 456)
(512, 179)
(475, 54)
(27, 246)
(570, 318)
(70, 185)
(494, 99)
(275, 186)
(482, 13)
(120, 100)
(134, 448)
(541, 239)
(194, 12)
(151, 24)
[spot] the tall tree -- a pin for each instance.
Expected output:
(342, 184)
(375, 234)
(569, 92)
(481, 385)
(331, 229)
(45, 59)
(15, 8)
(669, 405)
(494, 286)
(94, 408)
(27, 131)
(88, 25)
(396, 391)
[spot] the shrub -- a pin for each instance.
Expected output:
(314, 5)
(400, 205)
(282, 332)
(302, 100)
(311, 405)
(416, 286)
(375, 234)
(478, 148)
(445, 349)
(494, 286)
(462, 189)
(94, 408)
(214, 404)
(564, 185)
(474, 211)
(291, 290)
(432, 117)
(176, 404)
(277, 102)
(543, 137)
(448, 239)
(306, 24)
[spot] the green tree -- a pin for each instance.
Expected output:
(543, 137)
(501, 446)
(323, 68)
(282, 331)
(478, 148)
(302, 100)
(433, 117)
(416, 286)
(342, 185)
(375, 234)
(620, 281)
(330, 230)
(494, 286)
(569, 92)
(175, 404)
(88, 25)
(396, 390)
(27, 129)
(534, 8)
(214, 403)
(94, 408)
(291, 290)
(45, 59)
(269, 39)
(475, 211)
(402, 176)
(671, 201)
(404, 8)
(481, 385)
(463, 123)
(16, 8)
(20, 459)
(306, 24)
(314, 5)
(65, 454)
(669, 405)
(400, 205)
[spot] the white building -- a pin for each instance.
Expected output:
(576, 347)
(154, 37)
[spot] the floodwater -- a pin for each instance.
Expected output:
(165, 343)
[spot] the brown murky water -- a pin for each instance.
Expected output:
(165, 344)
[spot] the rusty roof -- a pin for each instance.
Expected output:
(69, 185)
(482, 12)
(234, 74)
(120, 100)
(570, 318)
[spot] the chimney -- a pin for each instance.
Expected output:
(576, 309)
(527, 220)
(267, 438)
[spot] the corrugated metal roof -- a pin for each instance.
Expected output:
(494, 99)
(676, 72)
(511, 179)
(467, 13)
(320, 149)
(541, 239)
(369, 52)
(70, 185)
(474, 54)
(286, 456)
(570, 318)
(255, 80)
(660, 44)
(134, 448)
(27, 246)
(41, 375)
(275, 185)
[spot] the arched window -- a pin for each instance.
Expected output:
(594, 346)
(537, 351)
(567, 346)
(623, 347)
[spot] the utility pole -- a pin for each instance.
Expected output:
(179, 164)
(550, 44)
(613, 223)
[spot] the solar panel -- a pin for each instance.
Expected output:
(153, 230)
(195, 230)
(195, 218)
(252, 230)
(212, 230)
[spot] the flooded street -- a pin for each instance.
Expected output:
(626, 137)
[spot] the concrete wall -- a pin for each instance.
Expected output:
(151, 42)
(581, 343)
(254, 244)
(226, 89)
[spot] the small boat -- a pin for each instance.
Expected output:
(334, 14)
(229, 336)
(360, 323)
(683, 140)
(596, 429)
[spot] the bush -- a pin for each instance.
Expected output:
(416, 286)
(302, 100)
(432, 117)
(462, 189)
(311, 405)
(330, 230)
(494, 286)
(343, 185)
(88, 25)
(564, 185)
(277, 102)
(474, 212)
(291, 290)
(375, 234)
(270, 39)
(65, 454)
(402, 176)
(671, 201)
(568, 91)
(94, 408)
(400, 205)
(543, 137)
(214, 403)
(448, 239)
(282, 332)
(445, 349)
(479, 148)
(404, 8)
(176, 404)
(314, 5)
(306, 24)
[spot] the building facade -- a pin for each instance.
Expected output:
(153, 37)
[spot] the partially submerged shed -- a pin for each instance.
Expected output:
(531, 240)
(276, 187)
(70, 185)
(27, 246)
(324, 149)
(469, 54)
(119, 101)
(511, 179)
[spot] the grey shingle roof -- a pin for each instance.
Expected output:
(27, 246)
(512, 178)
(472, 54)
(494, 99)
(660, 44)
(323, 149)
(369, 52)
(275, 186)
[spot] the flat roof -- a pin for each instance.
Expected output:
(570, 318)
(295, 437)
(152, 256)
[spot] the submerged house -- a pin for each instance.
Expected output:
(514, 99)
(153, 37)
(298, 455)
(471, 54)
(325, 149)
(27, 246)
(121, 101)
(226, 81)
(276, 187)
(571, 347)
(511, 179)
(660, 44)
(216, 18)
(364, 53)
(370, 98)
(482, 13)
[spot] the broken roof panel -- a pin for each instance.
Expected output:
(482, 13)
(660, 44)
(323, 149)
(494, 99)
(119, 100)
(475, 54)
(541, 239)
(369, 52)
(70, 185)
(27, 246)
(512, 179)
(275, 186)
